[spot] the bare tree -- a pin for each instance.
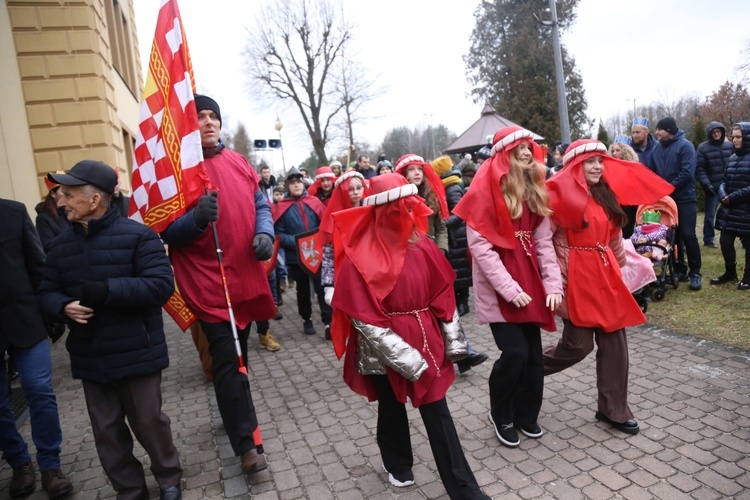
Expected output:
(743, 69)
(293, 52)
(355, 88)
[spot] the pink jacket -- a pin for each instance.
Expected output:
(490, 275)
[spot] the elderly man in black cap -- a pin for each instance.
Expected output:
(674, 161)
(108, 278)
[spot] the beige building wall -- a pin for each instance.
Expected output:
(70, 84)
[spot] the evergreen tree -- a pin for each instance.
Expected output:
(602, 135)
(511, 63)
(241, 142)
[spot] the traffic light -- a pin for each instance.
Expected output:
(274, 143)
(260, 144)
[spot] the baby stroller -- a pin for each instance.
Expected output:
(658, 244)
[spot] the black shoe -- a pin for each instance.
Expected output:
(23, 482)
(328, 332)
(710, 244)
(463, 308)
(531, 430)
(724, 278)
(744, 284)
(309, 329)
(682, 277)
(695, 282)
(278, 315)
(171, 493)
(630, 426)
(506, 433)
(471, 361)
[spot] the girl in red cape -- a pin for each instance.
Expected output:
(585, 197)
(394, 287)
(429, 187)
(517, 283)
(348, 192)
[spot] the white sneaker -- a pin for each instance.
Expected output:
(406, 479)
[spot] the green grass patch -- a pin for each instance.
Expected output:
(718, 312)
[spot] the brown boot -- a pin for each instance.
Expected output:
(56, 484)
(253, 462)
(23, 482)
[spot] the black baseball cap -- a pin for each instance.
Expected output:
(96, 173)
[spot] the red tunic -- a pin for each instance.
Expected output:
(597, 297)
(426, 282)
(522, 264)
(195, 265)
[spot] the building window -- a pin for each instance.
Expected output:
(121, 43)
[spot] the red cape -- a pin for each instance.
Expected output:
(632, 183)
(311, 201)
(195, 266)
(483, 206)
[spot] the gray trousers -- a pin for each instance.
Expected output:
(138, 399)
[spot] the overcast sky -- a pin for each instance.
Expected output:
(635, 49)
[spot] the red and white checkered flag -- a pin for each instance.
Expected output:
(169, 172)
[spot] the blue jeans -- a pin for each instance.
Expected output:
(34, 367)
(712, 204)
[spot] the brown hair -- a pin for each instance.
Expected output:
(605, 197)
(49, 204)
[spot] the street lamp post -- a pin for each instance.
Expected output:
(278, 126)
(562, 103)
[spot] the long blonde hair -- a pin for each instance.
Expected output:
(525, 182)
(628, 153)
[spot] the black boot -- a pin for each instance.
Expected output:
(745, 283)
(729, 275)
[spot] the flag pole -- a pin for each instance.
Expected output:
(257, 437)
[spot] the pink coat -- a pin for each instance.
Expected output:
(490, 275)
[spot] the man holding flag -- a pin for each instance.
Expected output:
(171, 184)
(245, 229)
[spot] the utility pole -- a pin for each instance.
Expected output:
(562, 103)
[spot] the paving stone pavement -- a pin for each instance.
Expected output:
(691, 397)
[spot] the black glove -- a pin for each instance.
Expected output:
(263, 245)
(710, 190)
(207, 209)
(94, 293)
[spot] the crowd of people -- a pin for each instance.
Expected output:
(389, 252)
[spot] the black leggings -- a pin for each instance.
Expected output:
(726, 240)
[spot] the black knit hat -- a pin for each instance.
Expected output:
(668, 124)
(204, 102)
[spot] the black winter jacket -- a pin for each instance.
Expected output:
(458, 247)
(21, 267)
(735, 215)
(674, 161)
(711, 158)
(126, 334)
(48, 227)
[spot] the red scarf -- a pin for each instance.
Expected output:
(632, 183)
(483, 206)
(311, 201)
